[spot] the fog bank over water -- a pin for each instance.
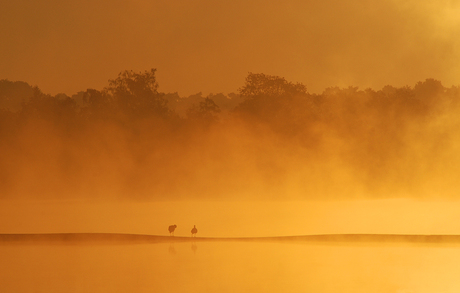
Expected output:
(292, 100)
(273, 140)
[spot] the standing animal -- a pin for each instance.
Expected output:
(194, 231)
(171, 229)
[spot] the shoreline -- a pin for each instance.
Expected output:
(145, 238)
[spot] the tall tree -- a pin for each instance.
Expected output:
(136, 94)
(285, 106)
(205, 112)
(262, 85)
(98, 104)
(60, 109)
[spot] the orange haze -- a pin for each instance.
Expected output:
(209, 46)
(358, 150)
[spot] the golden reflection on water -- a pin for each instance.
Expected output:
(229, 267)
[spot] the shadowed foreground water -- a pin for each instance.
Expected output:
(80, 263)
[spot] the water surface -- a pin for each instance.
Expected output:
(229, 267)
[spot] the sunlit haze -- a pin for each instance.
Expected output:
(140, 140)
(209, 46)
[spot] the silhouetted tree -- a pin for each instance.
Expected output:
(98, 104)
(59, 109)
(206, 112)
(428, 95)
(261, 85)
(173, 100)
(13, 93)
(284, 106)
(136, 94)
(225, 103)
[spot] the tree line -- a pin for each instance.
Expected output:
(380, 136)
(285, 107)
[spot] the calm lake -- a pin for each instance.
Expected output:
(229, 267)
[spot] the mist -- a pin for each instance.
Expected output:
(244, 119)
(271, 140)
(369, 123)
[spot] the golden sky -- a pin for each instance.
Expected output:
(210, 46)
